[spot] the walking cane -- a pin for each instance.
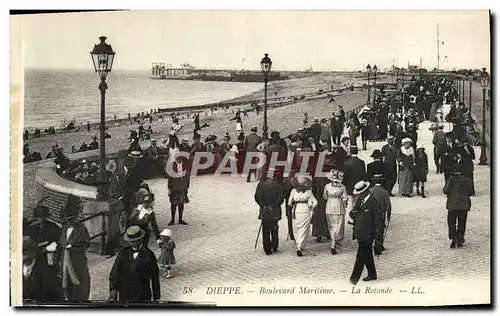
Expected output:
(258, 234)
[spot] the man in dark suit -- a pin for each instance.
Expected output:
(390, 153)
(458, 189)
(382, 196)
(269, 195)
(252, 140)
(439, 142)
(377, 167)
(447, 155)
(40, 283)
(336, 126)
(315, 130)
(135, 276)
(368, 227)
(466, 160)
(354, 171)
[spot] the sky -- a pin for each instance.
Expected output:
(295, 40)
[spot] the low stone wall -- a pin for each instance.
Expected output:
(104, 215)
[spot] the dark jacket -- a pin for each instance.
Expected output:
(43, 232)
(377, 167)
(135, 280)
(381, 195)
(315, 131)
(458, 188)
(368, 220)
(390, 157)
(251, 142)
(439, 142)
(42, 285)
(354, 171)
(269, 195)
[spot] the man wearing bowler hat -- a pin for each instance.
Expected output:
(135, 276)
(390, 155)
(269, 195)
(368, 227)
(377, 166)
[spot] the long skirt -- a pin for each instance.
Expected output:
(239, 127)
(302, 226)
(320, 226)
(405, 182)
(336, 224)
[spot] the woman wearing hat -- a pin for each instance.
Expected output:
(177, 189)
(74, 243)
(406, 161)
(336, 198)
(420, 170)
(303, 202)
(144, 217)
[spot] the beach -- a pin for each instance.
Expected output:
(284, 119)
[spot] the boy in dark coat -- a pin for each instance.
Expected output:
(269, 196)
(135, 276)
(368, 227)
(458, 189)
(420, 170)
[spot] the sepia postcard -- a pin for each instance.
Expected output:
(250, 158)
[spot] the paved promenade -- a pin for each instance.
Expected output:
(216, 248)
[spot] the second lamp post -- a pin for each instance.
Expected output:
(265, 65)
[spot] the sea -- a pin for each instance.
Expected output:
(56, 97)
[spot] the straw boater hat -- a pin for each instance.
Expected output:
(301, 182)
(360, 187)
(135, 154)
(316, 120)
(166, 232)
(134, 233)
(406, 140)
(391, 138)
(185, 140)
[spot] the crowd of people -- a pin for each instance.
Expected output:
(350, 186)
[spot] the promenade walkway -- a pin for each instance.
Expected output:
(216, 248)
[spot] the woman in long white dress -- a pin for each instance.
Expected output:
(336, 198)
(303, 202)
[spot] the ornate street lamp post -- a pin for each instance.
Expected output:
(265, 65)
(102, 56)
(485, 82)
(368, 72)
